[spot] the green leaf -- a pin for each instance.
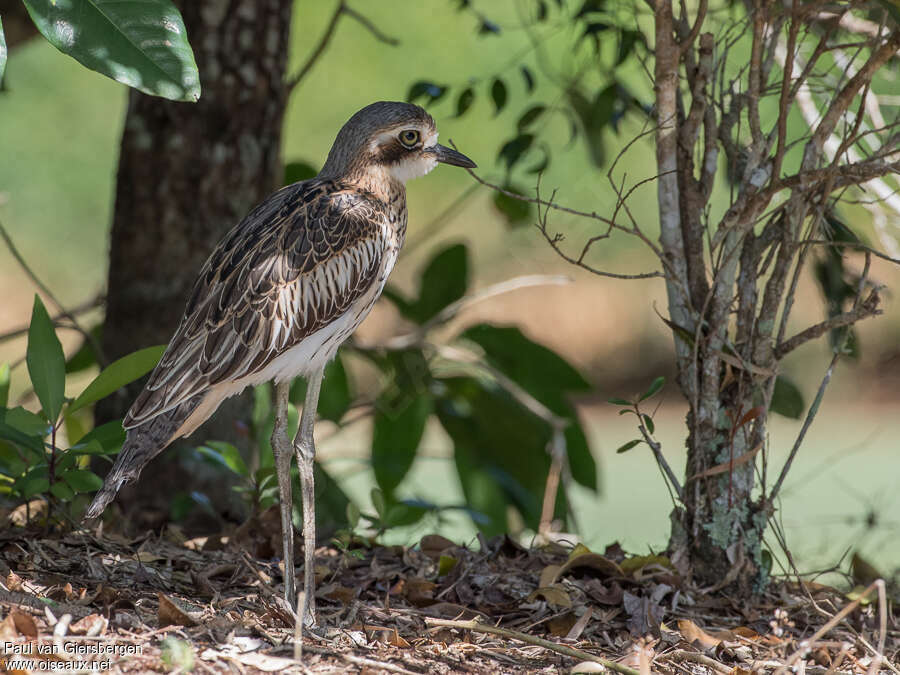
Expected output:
(532, 365)
(34, 485)
(109, 437)
(529, 116)
(620, 401)
(513, 150)
(499, 95)
(628, 446)
(595, 116)
(444, 280)
(117, 374)
(4, 384)
(499, 451)
(516, 211)
(62, 491)
(397, 431)
(227, 455)
(26, 421)
(46, 362)
(294, 172)
(529, 79)
(655, 386)
(787, 399)
(546, 376)
(335, 397)
(23, 440)
(82, 480)
(378, 502)
(648, 422)
(465, 101)
(424, 89)
(141, 43)
(3, 53)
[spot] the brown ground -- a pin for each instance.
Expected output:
(216, 605)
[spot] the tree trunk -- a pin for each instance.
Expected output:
(187, 174)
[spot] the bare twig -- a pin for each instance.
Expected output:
(56, 319)
(806, 645)
(98, 350)
(342, 9)
(532, 640)
(454, 308)
(866, 309)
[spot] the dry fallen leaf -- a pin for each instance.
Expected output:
(696, 635)
(552, 594)
(14, 582)
(171, 615)
(92, 624)
(8, 631)
(24, 623)
(561, 625)
(433, 545)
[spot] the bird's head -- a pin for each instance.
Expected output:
(389, 140)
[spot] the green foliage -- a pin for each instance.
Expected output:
(46, 362)
(141, 43)
(297, 171)
(444, 280)
(33, 463)
(399, 424)
(787, 399)
(3, 53)
(119, 373)
(335, 396)
(516, 211)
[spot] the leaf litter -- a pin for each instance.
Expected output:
(161, 603)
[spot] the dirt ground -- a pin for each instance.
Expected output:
(162, 604)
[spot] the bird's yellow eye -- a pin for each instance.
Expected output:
(409, 137)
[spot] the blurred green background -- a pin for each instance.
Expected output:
(58, 147)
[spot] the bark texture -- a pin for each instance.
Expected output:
(188, 173)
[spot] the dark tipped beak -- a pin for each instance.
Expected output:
(450, 156)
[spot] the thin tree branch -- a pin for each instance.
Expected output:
(342, 9)
(98, 350)
(814, 407)
(79, 309)
(865, 310)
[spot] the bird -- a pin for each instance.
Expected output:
(278, 296)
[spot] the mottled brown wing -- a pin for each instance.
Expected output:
(294, 264)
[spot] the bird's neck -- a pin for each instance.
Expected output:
(379, 182)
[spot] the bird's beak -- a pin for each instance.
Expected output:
(449, 156)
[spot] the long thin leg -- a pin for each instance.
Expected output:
(281, 448)
(304, 446)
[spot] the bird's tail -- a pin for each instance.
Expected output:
(142, 443)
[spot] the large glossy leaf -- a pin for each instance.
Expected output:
(530, 364)
(500, 449)
(46, 362)
(119, 373)
(546, 376)
(141, 43)
(3, 53)
(445, 280)
(398, 429)
(109, 437)
(82, 480)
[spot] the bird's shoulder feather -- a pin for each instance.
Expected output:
(294, 264)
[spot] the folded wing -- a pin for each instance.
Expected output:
(293, 265)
